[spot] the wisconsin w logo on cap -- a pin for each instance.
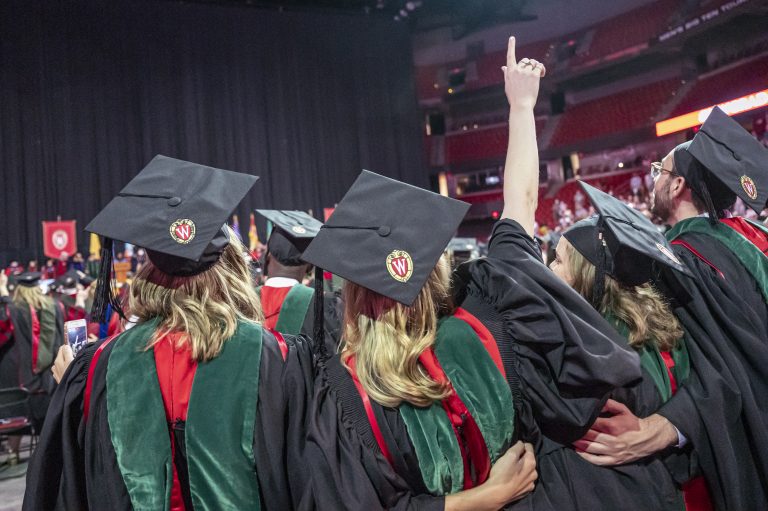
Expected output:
(400, 265)
(749, 186)
(183, 231)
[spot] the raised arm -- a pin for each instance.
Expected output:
(521, 169)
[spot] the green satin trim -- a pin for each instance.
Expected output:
(480, 385)
(653, 363)
(747, 253)
(45, 347)
(437, 450)
(221, 463)
(484, 392)
(137, 423)
(294, 310)
(222, 466)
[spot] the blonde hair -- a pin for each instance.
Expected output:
(641, 308)
(206, 307)
(386, 339)
(31, 296)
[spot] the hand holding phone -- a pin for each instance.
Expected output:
(76, 334)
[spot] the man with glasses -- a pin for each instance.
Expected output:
(719, 411)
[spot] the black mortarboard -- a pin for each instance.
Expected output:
(620, 242)
(292, 233)
(732, 155)
(176, 210)
(68, 280)
(386, 235)
(29, 279)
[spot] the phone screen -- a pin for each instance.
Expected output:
(77, 334)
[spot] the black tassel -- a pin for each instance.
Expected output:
(105, 294)
(318, 330)
(599, 287)
(714, 215)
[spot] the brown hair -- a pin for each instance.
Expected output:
(641, 308)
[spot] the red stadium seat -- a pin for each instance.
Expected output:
(728, 83)
(619, 112)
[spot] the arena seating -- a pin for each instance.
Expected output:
(629, 30)
(481, 143)
(619, 112)
(728, 83)
(617, 182)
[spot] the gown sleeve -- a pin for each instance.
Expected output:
(567, 358)
(348, 471)
(56, 472)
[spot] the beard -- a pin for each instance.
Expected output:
(661, 202)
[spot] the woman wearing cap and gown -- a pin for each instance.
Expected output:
(377, 446)
(616, 277)
(31, 331)
(562, 358)
(196, 406)
(720, 409)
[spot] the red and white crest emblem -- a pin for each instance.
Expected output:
(400, 265)
(749, 186)
(183, 231)
(60, 239)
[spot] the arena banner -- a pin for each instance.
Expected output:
(59, 237)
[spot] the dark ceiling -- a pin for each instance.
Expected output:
(464, 16)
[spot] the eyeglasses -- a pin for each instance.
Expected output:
(657, 170)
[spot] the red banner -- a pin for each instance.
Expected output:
(59, 238)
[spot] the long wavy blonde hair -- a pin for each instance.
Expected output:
(386, 339)
(641, 308)
(30, 295)
(206, 306)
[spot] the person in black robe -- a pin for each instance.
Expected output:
(720, 409)
(31, 331)
(611, 259)
(196, 406)
(560, 359)
(288, 304)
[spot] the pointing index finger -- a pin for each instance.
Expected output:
(511, 59)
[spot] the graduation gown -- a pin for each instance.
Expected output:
(29, 341)
(559, 359)
(564, 360)
(291, 310)
(721, 408)
(368, 456)
(108, 443)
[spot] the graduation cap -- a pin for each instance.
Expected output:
(724, 150)
(293, 232)
(386, 235)
(28, 279)
(67, 281)
(620, 242)
(177, 211)
(71, 279)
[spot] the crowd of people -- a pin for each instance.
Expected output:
(629, 374)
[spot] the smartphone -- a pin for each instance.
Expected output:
(77, 334)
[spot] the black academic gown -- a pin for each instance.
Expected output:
(16, 356)
(722, 408)
(565, 361)
(562, 361)
(75, 464)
